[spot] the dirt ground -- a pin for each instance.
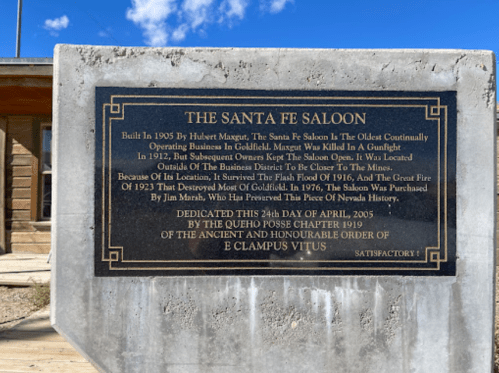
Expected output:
(15, 305)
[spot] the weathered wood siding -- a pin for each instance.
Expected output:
(21, 195)
(19, 173)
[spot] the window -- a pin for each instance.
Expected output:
(46, 172)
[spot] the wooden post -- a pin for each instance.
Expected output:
(3, 143)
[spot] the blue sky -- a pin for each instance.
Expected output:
(471, 24)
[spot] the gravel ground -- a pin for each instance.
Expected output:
(15, 305)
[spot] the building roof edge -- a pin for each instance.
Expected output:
(26, 61)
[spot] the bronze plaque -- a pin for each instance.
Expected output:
(248, 182)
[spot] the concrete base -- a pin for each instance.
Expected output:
(275, 324)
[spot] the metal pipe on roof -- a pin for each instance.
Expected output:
(18, 41)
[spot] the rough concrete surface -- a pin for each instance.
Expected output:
(275, 324)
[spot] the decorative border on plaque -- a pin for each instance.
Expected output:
(112, 251)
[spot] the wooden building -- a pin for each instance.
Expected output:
(25, 136)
